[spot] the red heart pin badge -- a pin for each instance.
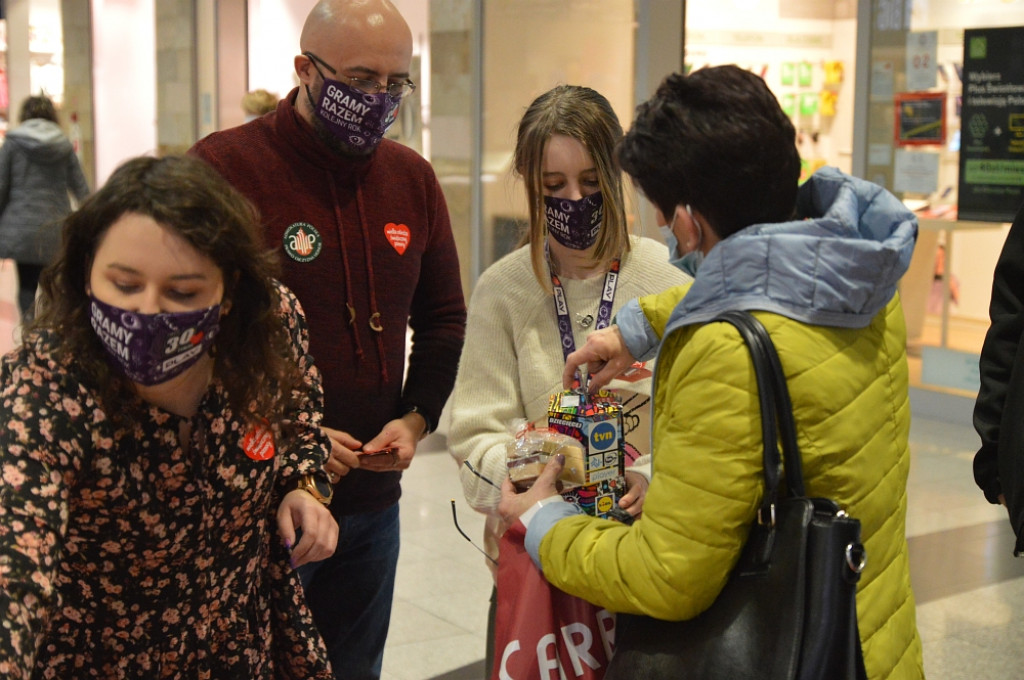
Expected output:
(398, 236)
(197, 338)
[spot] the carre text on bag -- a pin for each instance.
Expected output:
(576, 642)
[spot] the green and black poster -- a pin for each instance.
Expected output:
(992, 127)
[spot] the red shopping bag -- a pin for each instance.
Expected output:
(542, 633)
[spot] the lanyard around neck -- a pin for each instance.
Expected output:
(604, 311)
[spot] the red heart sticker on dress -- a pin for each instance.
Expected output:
(398, 236)
(197, 338)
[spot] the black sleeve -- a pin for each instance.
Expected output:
(998, 355)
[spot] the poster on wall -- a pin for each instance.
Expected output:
(922, 49)
(916, 172)
(992, 136)
(920, 118)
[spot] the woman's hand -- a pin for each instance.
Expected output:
(605, 356)
(514, 504)
(343, 456)
(299, 510)
(633, 501)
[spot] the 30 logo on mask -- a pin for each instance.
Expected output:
(575, 224)
(153, 348)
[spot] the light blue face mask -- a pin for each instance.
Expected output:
(689, 262)
(673, 244)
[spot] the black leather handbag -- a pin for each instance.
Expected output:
(788, 610)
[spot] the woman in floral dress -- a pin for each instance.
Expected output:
(160, 446)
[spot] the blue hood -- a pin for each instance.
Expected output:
(838, 265)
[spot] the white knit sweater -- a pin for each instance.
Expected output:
(512, 360)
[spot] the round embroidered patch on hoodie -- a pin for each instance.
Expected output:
(302, 242)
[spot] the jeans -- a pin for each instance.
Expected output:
(350, 592)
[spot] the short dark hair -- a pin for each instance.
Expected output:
(716, 140)
(38, 107)
(188, 197)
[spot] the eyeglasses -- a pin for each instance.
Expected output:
(455, 518)
(397, 90)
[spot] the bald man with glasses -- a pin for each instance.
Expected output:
(365, 242)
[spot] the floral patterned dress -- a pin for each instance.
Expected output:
(124, 554)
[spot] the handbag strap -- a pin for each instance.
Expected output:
(776, 409)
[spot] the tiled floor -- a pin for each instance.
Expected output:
(970, 590)
(443, 585)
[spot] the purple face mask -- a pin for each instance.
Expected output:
(575, 224)
(356, 118)
(153, 348)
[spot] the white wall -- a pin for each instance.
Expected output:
(928, 14)
(124, 82)
(274, 29)
(47, 45)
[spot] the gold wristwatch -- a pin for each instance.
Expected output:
(318, 486)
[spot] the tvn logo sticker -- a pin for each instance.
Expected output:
(603, 436)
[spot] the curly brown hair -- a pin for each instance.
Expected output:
(253, 349)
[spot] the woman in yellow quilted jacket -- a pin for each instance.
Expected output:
(818, 264)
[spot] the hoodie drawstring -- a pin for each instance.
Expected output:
(344, 262)
(374, 320)
(375, 324)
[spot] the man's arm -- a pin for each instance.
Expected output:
(437, 318)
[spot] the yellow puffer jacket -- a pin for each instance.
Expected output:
(850, 399)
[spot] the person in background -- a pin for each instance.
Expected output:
(818, 265)
(38, 168)
(363, 231)
(999, 409)
(161, 447)
(937, 291)
(256, 103)
(578, 243)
